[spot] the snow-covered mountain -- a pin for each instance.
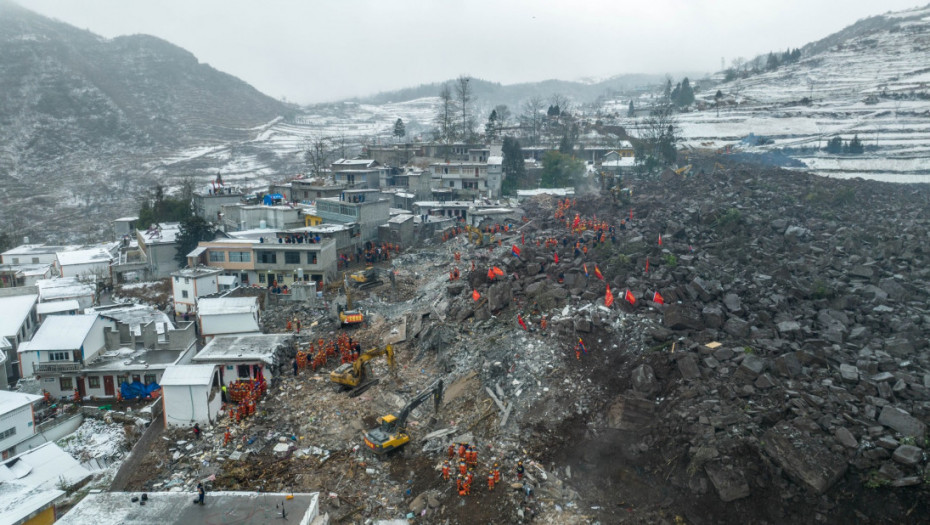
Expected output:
(871, 79)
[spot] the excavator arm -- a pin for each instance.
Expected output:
(391, 434)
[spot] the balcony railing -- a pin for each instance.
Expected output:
(66, 366)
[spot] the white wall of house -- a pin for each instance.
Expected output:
(241, 323)
(94, 271)
(186, 290)
(16, 426)
(188, 404)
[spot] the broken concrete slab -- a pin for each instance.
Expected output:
(688, 367)
(630, 413)
(845, 437)
(907, 455)
(804, 458)
(903, 422)
(729, 481)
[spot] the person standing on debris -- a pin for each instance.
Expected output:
(196, 430)
(463, 468)
(460, 485)
(445, 470)
(226, 437)
(491, 482)
(497, 473)
(289, 326)
(520, 470)
(297, 324)
(294, 363)
(462, 448)
(200, 493)
(451, 452)
(224, 394)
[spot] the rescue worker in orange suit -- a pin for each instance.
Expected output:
(226, 437)
(445, 471)
(519, 470)
(460, 485)
(451, 452)
(469, 479)
(497, 473)
(491, 482)
(463, 468)
(462, 449)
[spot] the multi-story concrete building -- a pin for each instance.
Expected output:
(187, 284)
(17, 324)
(160, 246)
(366, 209)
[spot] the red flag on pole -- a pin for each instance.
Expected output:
(515, 251)
(608, 298)
(497, 271)
(585, 266)
(647, 263)
(556, 257)
(520, 320)
(656, 298)
(631, 214)
(629, 297)
(660, 239)
(475, 295)
(597, 272)
(490, 275)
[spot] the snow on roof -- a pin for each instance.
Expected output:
(400, 219)
(197, 271)
(162, 233)
(35, 249)
(184, 375)
(57, 306)
(175, 508)
(134, 315)
(546, 191)
(63, 288)
(91, 255)
(29, 482)
(248, 347)
(126, 219)
(133, 359)
(355, 162)
(197, 251)
(226, 305)
(622, 162)
(13, 312)
(10, 401)
(61, 332)
(495, 160)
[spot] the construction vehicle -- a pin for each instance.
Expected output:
(347, 315)
(684, 170)
(367, 278)
(353, 375)
(391, 432)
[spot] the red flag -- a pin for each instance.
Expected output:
(597, 272)
(475, 295)
(585, 266)
(656, 298)
(520, 320)
(629, 297)
(497, 271)
(660, 239)
(608, 298)
(515, 251)
(631, 214)
(647, 263)
(556, 257)
(490, 275)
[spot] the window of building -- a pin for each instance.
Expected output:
(217, 256)
(187, 280)
(65, 384)
(243, 371)
(311, 258)
(266, 257)
(15, 260)
(184, 294)
(59, 356)
(149, 379)
(291, 257)
(35, 260)
(120, 380)
(240, 256)
(7, 433)
(177, 279)
(261, 278)
(93, 381)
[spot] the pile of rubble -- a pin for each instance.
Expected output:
(771, 365)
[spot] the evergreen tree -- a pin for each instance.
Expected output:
(569, 138)
(835, 145)
(399, 129)
(676, 93)
(632, 111)
(513, 166)
(855, 145)
(193, 230)
(772, 62)
(560, 171)
(685, 93)
(491, 126)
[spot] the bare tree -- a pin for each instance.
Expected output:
(532, 116)
(318, 154)
(445, 117)
(464, 94)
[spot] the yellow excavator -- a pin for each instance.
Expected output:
(347, 315)
(391, 432)
(353, 375)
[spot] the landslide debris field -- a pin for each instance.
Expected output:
(785, 379)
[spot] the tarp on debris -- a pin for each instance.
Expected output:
(137, 389)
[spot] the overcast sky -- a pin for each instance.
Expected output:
(315, 51)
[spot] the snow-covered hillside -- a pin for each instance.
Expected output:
(870, 80)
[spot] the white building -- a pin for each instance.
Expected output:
(34, 254)
(191, 394)
(190, 283)
(17, 421)
(89, 265)
(66, 307)
(67, 289)
(246, 356)
(59, 349)
(228, 316)
(17, 324)
(159, 244)
(33, 482)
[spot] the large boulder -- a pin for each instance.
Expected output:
(903, 422)
(803, 457)
(678, 317)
